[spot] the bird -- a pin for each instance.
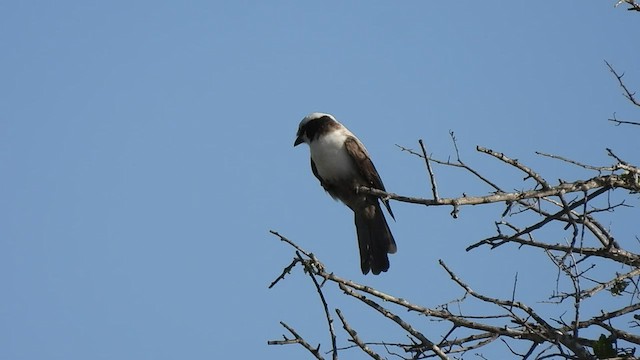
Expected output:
(342, 164)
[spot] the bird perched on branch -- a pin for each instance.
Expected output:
(342, 164)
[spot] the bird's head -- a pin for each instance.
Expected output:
(312, 125)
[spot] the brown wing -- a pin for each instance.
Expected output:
(365, 167)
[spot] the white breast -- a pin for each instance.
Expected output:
(330, 156)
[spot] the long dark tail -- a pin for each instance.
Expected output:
(374, 238)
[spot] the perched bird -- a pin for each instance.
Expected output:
(342, 164)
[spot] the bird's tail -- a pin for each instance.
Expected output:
(374, 239)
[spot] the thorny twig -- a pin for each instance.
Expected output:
(627, 93)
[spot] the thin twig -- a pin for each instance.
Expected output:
(543, 329)
(543, 222)
(502, 157)
(309, 255)
(297, 340)
(395, 318)
(620, 122)
(355, 338)
(589, 167)
(285, 271)
(325, 307)
(627, 93)
(434, 187)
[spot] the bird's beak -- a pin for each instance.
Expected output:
(298, 141)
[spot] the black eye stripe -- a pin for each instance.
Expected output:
(317, 126)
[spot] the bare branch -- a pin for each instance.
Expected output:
(325, 307)
(549, 331)
(285, 271)
(539, 224)
(530, 173)
(607, 181)
(627, 93)
(355, 338)
(632, 338)
(398, 320)
(282, 238)
(434, 187)
(621, 122)
(297, 340)
(589, 167)
(610, 283)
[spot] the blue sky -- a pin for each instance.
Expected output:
(146, 150)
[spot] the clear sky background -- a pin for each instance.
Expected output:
(146, 150)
